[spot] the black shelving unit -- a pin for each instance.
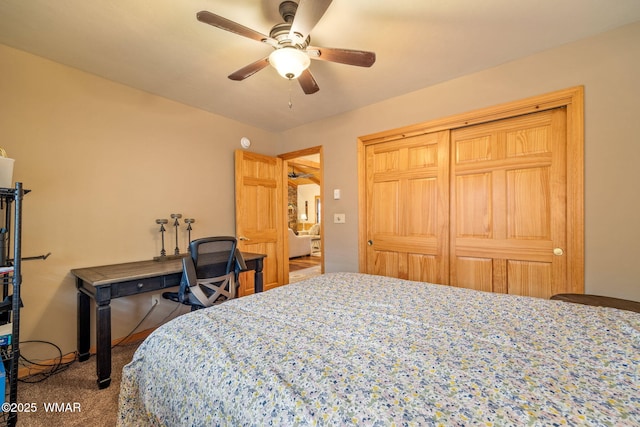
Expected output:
(11, 203)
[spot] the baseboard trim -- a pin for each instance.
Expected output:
(46, 365)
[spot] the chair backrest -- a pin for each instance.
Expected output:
(210, 274)
(208, 250)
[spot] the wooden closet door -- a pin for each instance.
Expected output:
(508, 205)
(407, 206)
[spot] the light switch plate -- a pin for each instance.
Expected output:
(339, 218)
(336, 194)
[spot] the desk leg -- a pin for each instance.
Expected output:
(258, 282)
(84, 320)
(103, 344)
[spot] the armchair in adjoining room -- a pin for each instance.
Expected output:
(299, 245)
(314, 230)
(210, 274)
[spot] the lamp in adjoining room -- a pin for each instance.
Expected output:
(289, 62)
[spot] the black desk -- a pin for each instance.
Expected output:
(103, 283)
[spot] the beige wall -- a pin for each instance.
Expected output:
(607, 65)
(103, 162)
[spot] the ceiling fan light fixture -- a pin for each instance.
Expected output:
(289, 62)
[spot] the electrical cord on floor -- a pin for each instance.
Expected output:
(46, 370)
(170, 314)
(153, 307)
(178, 305)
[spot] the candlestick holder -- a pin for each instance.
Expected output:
(176, 223)
(189, 221)
(162, 222)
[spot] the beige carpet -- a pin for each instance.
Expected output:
(77, 387)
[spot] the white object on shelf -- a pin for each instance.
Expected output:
(6, 172)
(5, 333)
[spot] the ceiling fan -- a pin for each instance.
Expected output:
(290, 40)
(294, 175)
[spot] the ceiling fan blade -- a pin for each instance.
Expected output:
(361, 58)
(234, 27)
(308, 83)
(249, 70)
(307, 16)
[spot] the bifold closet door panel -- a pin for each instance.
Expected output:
(407, 189)
(508, 205)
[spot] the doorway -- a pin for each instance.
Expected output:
(304, 215)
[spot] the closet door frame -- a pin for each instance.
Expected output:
(572, 99)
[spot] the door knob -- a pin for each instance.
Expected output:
(370, 242)
(558, 251)
(244, 238)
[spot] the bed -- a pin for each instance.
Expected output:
(355, 349)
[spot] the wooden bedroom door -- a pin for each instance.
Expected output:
(259, 182)
(508, 205)
(407, 207)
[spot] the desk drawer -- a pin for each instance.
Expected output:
(137, 286)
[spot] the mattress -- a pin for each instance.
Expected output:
(355, 349)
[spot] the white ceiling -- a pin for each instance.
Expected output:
(158, 46)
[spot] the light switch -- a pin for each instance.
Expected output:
(336, 194)
(339, 218)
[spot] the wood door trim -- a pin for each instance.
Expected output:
(301, 153)
(572, 99)
(521, 107)
(292, 155)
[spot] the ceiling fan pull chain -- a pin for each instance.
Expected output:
(290, 103)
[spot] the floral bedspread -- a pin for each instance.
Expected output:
(352, 349)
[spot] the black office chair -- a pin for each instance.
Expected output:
(210, 274)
